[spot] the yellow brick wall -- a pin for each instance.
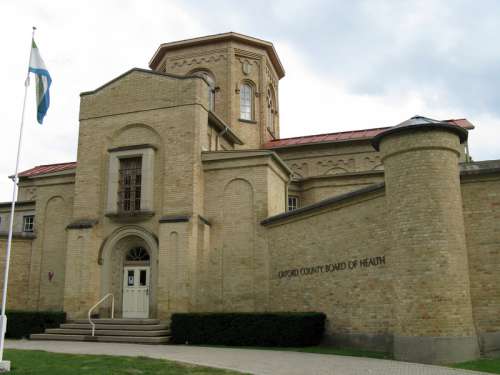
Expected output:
(481, 198)
(308, 255)
(19, 274)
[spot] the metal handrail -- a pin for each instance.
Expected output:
(97, 304)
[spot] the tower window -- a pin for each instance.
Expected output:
(246, 102)
(28, 223)
(129, 190)
(211, 86)
(293, 202)
(271, 110)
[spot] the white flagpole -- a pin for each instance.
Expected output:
(3, 317)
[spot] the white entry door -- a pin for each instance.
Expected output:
(136, 292)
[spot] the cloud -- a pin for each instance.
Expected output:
(350, 64)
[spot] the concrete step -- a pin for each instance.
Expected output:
(124, 339)
(130, 327)
(117, 321)
(108, 332)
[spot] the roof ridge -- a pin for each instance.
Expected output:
(319, 135)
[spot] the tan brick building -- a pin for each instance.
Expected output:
(184, 198)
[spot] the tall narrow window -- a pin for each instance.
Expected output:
(211, 86)
(28, 223)
(129, 190)
(246, 102)
(270, 110)
(293, 202)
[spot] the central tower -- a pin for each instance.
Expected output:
(243, 75)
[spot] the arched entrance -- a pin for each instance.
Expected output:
(129, 271)
(136, 283)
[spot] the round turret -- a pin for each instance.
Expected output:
(422, 177)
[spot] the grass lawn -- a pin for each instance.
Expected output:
(485, 365)
(27, 362)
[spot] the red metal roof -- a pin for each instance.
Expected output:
(47, 168)
(364, 134)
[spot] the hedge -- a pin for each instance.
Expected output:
(248, 329)
(23, 323)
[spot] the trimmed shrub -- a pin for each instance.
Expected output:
(248, 329)
(23, 323)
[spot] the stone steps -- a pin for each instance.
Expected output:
(124, 339)
(140, 331)
(107, 332)
(127, 327)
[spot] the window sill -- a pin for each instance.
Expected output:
(131, 216)
(247, 121)
(19, 235)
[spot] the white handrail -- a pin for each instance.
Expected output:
(97, 304)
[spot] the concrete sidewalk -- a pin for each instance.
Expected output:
(265, 362)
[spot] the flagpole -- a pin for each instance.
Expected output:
(3, 317)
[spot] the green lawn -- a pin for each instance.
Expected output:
(28, 362)
(485, 365)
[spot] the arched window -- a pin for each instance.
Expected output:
(211, 86)
(246, 101)
(271, 110)
(137, 254)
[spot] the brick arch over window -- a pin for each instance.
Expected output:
(129, 134)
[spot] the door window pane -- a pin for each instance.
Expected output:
(130, 278)
(142, 278)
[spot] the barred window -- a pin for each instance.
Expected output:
(129, 189)
(293, 203)
(246, 102)
(28, 223)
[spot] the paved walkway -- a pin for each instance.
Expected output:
(265, 362)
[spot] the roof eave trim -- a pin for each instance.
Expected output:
(268, 46)
(462, 133)
(321, 204)
(169, 75)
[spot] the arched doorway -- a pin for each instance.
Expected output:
(129, 259)
(136, 283)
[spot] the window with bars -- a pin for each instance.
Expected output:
(293, 203)
(129, 187)
(246, 102)
(28, 223)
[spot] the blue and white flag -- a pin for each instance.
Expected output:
(43, 81)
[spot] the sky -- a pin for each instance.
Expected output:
(349, 64)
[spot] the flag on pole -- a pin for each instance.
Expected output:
(43, 81)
